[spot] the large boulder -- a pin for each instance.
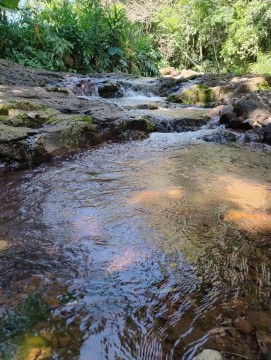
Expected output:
(64, 137)
(254, 110)
(200, 95)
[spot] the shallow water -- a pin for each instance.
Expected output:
(136, 248)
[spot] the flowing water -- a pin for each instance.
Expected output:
(142, 250)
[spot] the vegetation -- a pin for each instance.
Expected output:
(96, 36)
(82, 36)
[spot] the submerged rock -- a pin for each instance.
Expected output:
(208, 354)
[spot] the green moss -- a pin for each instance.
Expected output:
(196, 95)
(26, 105)
(174, 98)
(264, 86)
(31, 311)
(76, 118)
(3, 119)
(4, 108)
(87, 118)
(141, 124)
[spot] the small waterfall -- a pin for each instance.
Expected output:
(114, 87)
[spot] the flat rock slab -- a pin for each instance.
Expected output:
(10, 133)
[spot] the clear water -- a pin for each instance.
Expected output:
(137, 249)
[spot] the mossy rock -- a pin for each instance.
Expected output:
(174, 98)
(26, 113)
(197, 95)
(142, 124)
(67, 117)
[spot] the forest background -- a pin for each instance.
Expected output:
(138, 36)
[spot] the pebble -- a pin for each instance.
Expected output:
(208, 354)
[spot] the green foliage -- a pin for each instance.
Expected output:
(87, 36)
(10, 4)
(83, 36)
(262, 66)
(215, 35)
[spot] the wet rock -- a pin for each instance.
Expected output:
(64, 137)
(142, 124)
(233, 332)
(264, 342)
(253, 136)
(267, 134)
(243, 326)
(221, 137)
(110, 90)
(228, 117)
(208, 354)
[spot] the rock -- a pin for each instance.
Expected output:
(64, 137)
(195, 95)
(221, 137)
(10, 133)
(40, 354)
(220, 110)
(253, 110)
(233, 332)
(227, 117)
(175, 73)
(208, 354)
(142, 124)
(264, 341)
(253, 136)
(110, 90)
(243, 326)
(267, 134)
(248, 85)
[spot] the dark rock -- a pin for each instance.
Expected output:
(110, 90)
(267, 134)
(221, 137)
(225, 118)
(140, 124)
(253, 136)
(247, 124)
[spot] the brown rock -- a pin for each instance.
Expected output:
(243, 326)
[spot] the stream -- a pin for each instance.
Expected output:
(145, 250)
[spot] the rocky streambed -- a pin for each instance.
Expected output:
(150, 249)
(45, 114)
